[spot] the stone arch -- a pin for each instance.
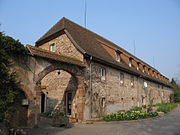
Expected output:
(73, 70)
(76, 72)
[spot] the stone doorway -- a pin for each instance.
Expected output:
(68, 102)
(43, 103)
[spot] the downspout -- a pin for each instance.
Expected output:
(90, 81)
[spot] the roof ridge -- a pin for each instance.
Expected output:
(63, 22)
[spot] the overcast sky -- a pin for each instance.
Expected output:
(154, 25)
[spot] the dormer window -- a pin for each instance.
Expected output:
(138, 63)
(149, 70)
(153, 73)
(143, 69)
(121, 78)
(52, 47)
(130, 62)
(118, 56)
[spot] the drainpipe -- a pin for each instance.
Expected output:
(90, 81)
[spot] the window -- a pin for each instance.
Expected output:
(103, 74)
(103, 102)
(118, 58)
(130, 62)
(138, 63)
(121, 78)
(52, 48)
(132, 81)
(143, 69)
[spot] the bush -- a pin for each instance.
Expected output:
(47, 114)
(129, 115)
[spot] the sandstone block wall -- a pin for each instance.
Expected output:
(111, 96)
(63, 46)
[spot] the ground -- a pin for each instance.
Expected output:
(169, 124)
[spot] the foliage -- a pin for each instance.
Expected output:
(176, 91)
(166, 107)
(53, 114)
(47, 114)
(59, 114)
(10, 93)
(138, 112)
(129, 115)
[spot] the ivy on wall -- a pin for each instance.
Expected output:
(10, 93)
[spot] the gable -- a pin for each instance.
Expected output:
(63, 46)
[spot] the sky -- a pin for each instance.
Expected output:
(150, 28)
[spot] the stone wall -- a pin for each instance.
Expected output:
(111, 96)
(57, 83)
(63, 46)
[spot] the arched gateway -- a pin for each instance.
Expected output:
(38, 66)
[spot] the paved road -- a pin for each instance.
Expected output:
(169, 124)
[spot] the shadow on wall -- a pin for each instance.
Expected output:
(63, 103)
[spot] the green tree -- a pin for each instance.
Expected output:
(10, 93)
(176, 91)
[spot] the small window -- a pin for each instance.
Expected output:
(52, 48)
(103, 74)
(103, 102)
(118, 58)
(121, 78)
(132, 81)
(138, 63)
(143, 69)
(130, 62)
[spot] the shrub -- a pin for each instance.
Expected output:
(47, 114)
(129, 115)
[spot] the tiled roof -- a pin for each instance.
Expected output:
(53, 56)
(90, 44)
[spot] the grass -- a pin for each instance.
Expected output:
(166, 107)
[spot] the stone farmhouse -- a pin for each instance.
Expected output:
(74, 70)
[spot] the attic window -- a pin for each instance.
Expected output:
(149, 70)
(138, 63)
(130, 62)
(52, 47)
(143, 69)
(118, 58)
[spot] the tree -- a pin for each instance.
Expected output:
(176, 91)
(10, 93)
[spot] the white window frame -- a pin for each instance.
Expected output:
(103, 74)
(118, 57)
(130, 62)
(53, 47)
